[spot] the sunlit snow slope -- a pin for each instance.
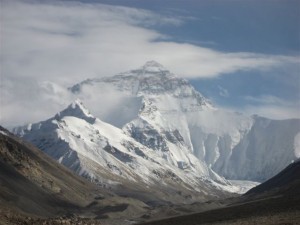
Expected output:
(108, 156)
(176, 121)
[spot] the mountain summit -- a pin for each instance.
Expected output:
(153, 67)
(152, 79)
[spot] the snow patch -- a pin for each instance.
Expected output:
(297, 145)
(242, 186)
(2, 132)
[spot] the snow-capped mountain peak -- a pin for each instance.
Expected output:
(150, 70)
(170, 105)
(77, 109)
(153, 66)
(156, 125)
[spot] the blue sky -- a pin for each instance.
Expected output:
(267, 27)
(242, 54)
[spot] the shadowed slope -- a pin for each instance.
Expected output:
(287, 182)
(277, 201)
(34, 183)
(36, 189)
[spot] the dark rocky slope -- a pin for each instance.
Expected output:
(34, 188)
(34, 183)
(277, 201)
(287, 182)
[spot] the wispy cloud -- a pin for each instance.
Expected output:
(272, 107)
(267, 99)
(223, 92)
(273, 111)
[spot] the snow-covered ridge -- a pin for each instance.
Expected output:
(108, 156)
(77, 109)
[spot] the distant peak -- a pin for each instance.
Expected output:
(77, 109)
(153, 66)
(152, 63)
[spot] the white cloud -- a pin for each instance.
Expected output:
(268, 99)
(273, 112)
(28, 101)
(66, 42)
(268, 111)
(272, 107)
(110, 105)
(63, 40)
(223, 92)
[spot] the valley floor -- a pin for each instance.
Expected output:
(284, 218)
(276, 210)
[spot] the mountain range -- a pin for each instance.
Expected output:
(35, 189)
(155, 140)
(162, 133)
(274, 202)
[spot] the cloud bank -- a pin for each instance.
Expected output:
(63, 41)
(272, 107)
(66, 42)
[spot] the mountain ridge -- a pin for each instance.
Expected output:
(173, 125)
